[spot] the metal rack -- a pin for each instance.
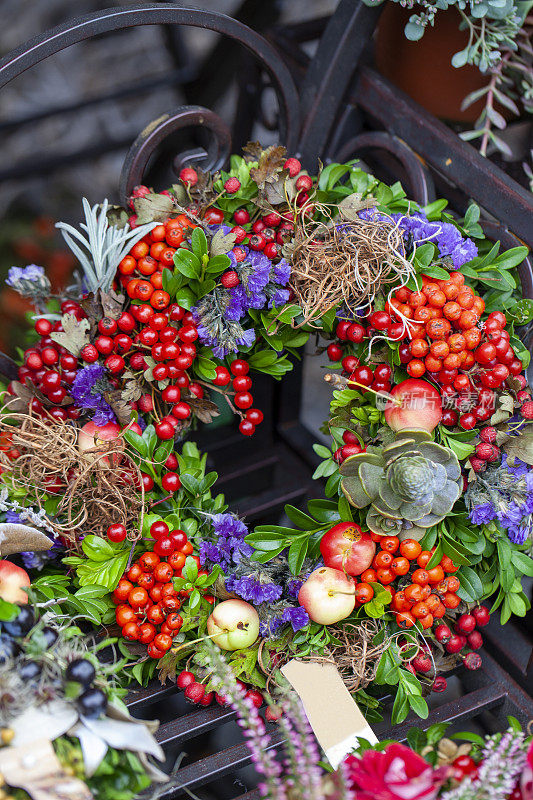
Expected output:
(330, 106)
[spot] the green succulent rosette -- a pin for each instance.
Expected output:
(410, 484)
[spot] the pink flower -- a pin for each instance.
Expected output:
(526, 779)
(397, 773)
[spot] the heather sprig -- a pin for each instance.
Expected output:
(302, 755)
(251, 724)
(503, 759)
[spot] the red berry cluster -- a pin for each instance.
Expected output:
(465, 767)
(486, 451)
(147, 602)
(351, 447)
(51, 368)
(377, 377)
(169, 338)
(469, 359)
(141, 271)
(243, 400)
(465, 636)
(195, 691)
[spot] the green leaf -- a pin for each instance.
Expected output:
(218, 264)
(300, 519)
(185, 298)
(523, 563)
(187, 263)
(199, 243)
(190, 569)
(96, 548)
(419, 705)
(417, 739)
(296, 555)
(471, 588)
(137, 442)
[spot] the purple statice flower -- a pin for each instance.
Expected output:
(270, 628)
(482, 514)
(255, 271)
(282, 272)
(29, 281)
(517, 469)
(296, 616)
(279, 298)
(88, 390)
(445, 235)
(228, 547)
(252, 590)
(293, 587)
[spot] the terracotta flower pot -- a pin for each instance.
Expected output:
(423, 69)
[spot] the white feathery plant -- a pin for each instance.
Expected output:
(106, 245)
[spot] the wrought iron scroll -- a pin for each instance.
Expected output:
(420, 181)
(212, 158)
(77, 30)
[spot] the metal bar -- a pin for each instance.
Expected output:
(190, 725)
(440, 147)
(214, 766)
(77, 30)
(329, 74)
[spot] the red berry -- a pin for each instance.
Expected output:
(239, 233)
(273, 713)
(185, 679)
(526, 410)
(422, 663)
(334, 352)
(239, 367)
(105, 345)
(380, 320)
(164, 546)
(246, 427)
(255, 696)
(488, 434)
(181, 410)
(43, 327)
(243, 400)
(478, 464)
(89, 353)
(481, 615)
(230, 279)
(442, 633)
(171, 482)
(116, 532)
(255, 416)
(241, 216)
(350, 363)
(159, 529)
(475, 640)
(455, 644)
(465, 624)
(115, 364)
(257, 242)
(171, 394)
(195, 692)
(223, 377)
(271, 250)
(293, 165)
(355, 333)
(304, 183)
(189, 175)
(472, 661)
(440, 684)
(485, 451)
(468, 420)
(232, 185)
(164, 429)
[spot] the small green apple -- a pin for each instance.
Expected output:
(233, 624)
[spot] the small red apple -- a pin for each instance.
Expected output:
(328, 595)
(414, 404)
(347, 548)
(12, 579)
(91, 436)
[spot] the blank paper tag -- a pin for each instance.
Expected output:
(332, 712)
(35, 768)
